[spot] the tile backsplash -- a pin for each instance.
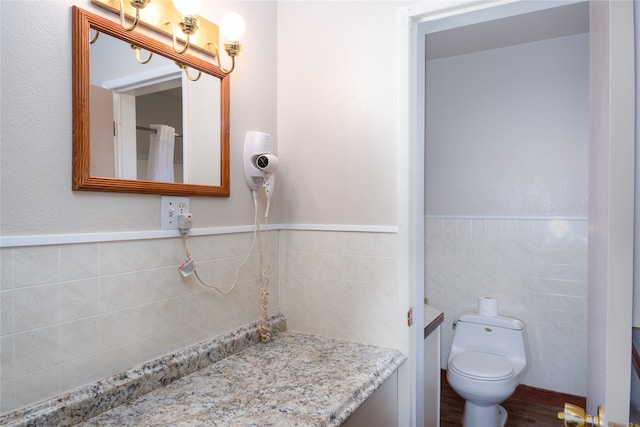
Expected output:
(538, 270)
(74, 313)
(341, 284)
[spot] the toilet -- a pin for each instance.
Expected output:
(489, 356)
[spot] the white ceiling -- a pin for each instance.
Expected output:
(522, 28)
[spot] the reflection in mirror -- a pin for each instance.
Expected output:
(136, 138)
(155, 93)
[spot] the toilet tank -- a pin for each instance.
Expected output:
(501, 335)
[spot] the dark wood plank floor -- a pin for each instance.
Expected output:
(521, 412)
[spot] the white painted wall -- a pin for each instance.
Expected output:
(337, 106)
(506, 196)
(36, 128)
(507, 131)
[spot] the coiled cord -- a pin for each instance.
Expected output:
(263, 324)
(264, 327)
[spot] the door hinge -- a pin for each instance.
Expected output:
(410, 317)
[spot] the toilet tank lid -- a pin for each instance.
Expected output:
(498, 321)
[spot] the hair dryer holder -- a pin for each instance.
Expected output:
(258, 160)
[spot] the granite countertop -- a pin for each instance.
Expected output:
(295, 379)
(230, 380)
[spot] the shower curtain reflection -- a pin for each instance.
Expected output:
(161, 144)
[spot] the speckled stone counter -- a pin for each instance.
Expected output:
(295, 379)
(92, 399)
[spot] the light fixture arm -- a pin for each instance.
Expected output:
(186, 72)
(230, 70)
(137, 50)
(175, 42)
(232, 50)
(137, 4)
(95, 37)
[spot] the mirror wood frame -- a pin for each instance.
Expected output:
(82, 22)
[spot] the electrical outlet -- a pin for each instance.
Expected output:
(170, 208)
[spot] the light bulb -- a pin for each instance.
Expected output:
(187, 7)
(232, 26)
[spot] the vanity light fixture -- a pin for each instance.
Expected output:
(165, 16)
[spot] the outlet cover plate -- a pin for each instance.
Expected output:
(170, 208)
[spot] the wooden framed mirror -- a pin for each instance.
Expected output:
(111, 162)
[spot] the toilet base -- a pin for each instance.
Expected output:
(483, 416)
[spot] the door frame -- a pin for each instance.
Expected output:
(611, 207)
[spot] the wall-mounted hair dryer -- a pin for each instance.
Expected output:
(260, 163)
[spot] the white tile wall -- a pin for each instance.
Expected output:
(340, 284)
(537, 269)
(71, 314)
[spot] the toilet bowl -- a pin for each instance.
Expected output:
(489, 356)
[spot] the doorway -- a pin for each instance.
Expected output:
(506, 173)
(608, 195)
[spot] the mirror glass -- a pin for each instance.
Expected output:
(146, 127)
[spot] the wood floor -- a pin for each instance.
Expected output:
(522, 413)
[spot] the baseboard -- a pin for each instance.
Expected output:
(525, 393)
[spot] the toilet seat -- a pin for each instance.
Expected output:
(481, 366)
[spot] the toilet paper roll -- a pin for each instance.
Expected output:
(488, 306)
